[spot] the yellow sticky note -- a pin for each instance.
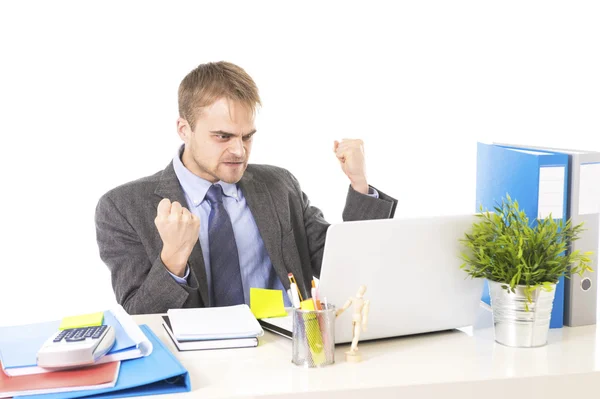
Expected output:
(266, 303)
(84, 320)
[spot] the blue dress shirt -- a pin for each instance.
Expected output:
(255, 263)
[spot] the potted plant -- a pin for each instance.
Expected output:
(522, 262)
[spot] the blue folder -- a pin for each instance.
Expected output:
(158, 373)
(19, 344)
(504, 170)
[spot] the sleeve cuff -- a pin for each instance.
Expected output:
(181, 280)
(373, 193)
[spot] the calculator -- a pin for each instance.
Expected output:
(76, 347)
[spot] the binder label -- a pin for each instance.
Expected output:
(589, 188)
(551, 196)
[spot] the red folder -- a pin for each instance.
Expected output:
(93, 377)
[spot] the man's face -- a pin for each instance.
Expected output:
(219, 146)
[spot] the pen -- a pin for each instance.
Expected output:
(294, 295)
(293, 281)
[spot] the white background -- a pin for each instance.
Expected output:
(88, 100)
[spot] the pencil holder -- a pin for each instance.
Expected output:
(313, 337)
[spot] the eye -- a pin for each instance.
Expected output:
(247, 137)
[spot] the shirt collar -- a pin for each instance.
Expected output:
(196, 187)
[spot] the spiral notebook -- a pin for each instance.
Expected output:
(205, 344)
(223, 322)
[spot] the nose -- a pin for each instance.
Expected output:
(237, 147)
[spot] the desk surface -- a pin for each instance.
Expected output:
(458, 363)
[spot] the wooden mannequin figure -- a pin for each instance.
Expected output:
(360, 308)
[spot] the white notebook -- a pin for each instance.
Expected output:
(214, 323)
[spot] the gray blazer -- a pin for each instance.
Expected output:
(293, 232)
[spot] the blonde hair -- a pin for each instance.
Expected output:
(208, 82)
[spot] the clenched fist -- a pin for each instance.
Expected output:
(178, 229)
(351, 155)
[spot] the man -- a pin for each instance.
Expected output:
(210, 226)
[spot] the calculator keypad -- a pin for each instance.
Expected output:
(80, 334)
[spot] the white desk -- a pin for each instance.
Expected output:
(466, 363)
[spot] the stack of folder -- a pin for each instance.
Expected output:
(19, 344)
(545, 180)
(138, 362)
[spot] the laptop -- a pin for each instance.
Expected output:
(411, 269)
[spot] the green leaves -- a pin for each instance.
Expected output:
(504, 246)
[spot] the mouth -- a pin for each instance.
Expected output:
(233, 163)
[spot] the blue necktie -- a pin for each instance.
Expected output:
(224, 263)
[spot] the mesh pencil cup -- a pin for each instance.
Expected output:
(313, 337)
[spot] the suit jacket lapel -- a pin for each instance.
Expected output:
(169, 187)
(262, 207)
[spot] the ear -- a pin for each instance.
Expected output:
(184, 130)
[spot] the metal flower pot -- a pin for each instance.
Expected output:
(516, 324)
